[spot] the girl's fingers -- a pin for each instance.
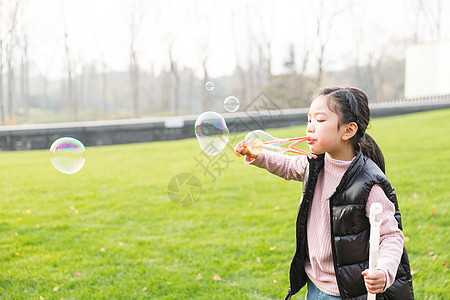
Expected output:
(374, 281)
(240, 149)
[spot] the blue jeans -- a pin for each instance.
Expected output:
(314, 293)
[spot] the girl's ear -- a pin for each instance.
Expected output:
(349, 130)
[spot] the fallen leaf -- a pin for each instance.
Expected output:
(120, 244)
(406, 239)
(72, 207)
(273, 248)
(56, 288)
(233, 283)
(414, 195)
(433, 212)
(216, 277)
(414, 272)
(102, 249)
(275, 281)
(144, 289)
(258, 259)
(277, 207)
(445, 265)
(17, 254)
(78, 274)
(76, 211)
(48, 255)
(38, 226)
(168, 282)
(28, 211)
(199, 276)
(431, 227)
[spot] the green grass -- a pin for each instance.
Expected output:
(53, 227)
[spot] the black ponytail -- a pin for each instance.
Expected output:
(371, 149)
(352, 105)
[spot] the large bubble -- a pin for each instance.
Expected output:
(211, 132)
(67, 155)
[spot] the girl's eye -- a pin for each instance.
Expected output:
(320, 121)
(309, 121)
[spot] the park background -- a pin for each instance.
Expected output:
(111, 230)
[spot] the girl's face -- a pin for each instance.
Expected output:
(325, 132)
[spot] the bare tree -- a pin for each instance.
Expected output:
(290, 63)
(425, 17)
(176, 77)
(432, 12)
(10, 58)
(203, 45)
(263, 18)
(104, 70)
(136, 16)
(324, 24)
(2, 46)
(24, 75)
(239, 72)
(104, 75)
(72, 102)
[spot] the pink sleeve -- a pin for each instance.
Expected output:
(391, 237)
(287, 167)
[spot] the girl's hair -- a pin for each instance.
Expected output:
(352, 105)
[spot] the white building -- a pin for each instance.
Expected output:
(427, 69)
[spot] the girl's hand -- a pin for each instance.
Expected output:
(241, 150)
(375, 281)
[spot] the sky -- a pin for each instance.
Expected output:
(229, 31)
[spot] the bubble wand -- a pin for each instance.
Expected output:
(258, 140)
(374, 240)
(295, 141)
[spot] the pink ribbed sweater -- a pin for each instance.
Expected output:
(319, 266)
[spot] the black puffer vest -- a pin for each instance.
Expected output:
(350, 231)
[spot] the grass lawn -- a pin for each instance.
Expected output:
(111, 232)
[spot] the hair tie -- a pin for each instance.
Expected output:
(363, 137)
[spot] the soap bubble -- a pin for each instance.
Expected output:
(254, 142)
(67, 155)
(231, 104)
(209, 86)
(211, 132)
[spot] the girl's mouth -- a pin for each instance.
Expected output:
(311, 141)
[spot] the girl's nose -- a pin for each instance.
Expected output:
(309, 128)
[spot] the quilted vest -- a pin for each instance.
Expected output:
(350, 231)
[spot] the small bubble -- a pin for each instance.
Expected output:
(209, 86)
(231, 104)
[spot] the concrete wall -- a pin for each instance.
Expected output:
(96, 133)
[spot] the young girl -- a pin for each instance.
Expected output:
(339, 187)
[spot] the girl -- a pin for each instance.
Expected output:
(339, 186)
